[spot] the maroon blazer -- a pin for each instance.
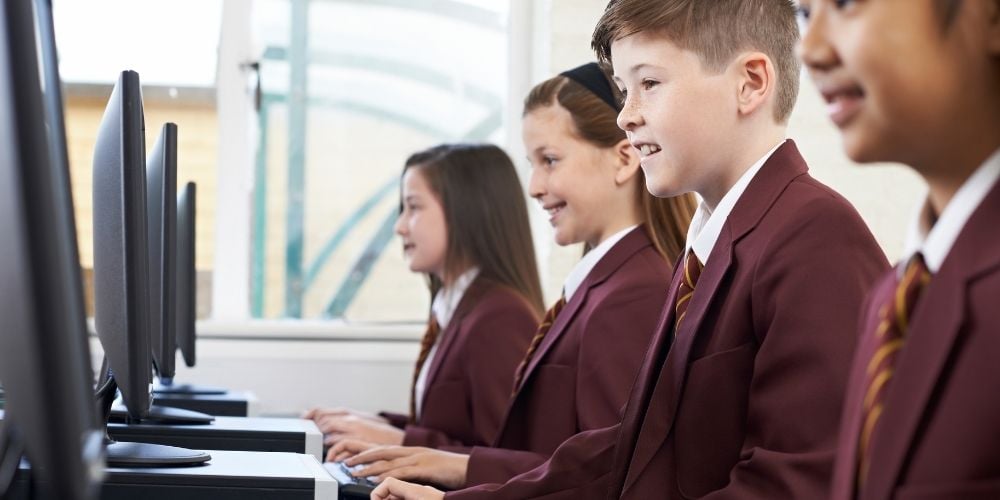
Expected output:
(580, 375)
(746, 402)
(939, 437)
(468, 385)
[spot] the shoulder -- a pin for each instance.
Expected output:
(810, 214)
(644, 267)
(498, 303)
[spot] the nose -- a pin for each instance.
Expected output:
(400, 226)
(629, 118)
(536, 183)
(815, 50)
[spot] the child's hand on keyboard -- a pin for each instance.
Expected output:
(347, 448)
(394, 489)
(424, 465)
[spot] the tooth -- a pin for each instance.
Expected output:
(645, 150)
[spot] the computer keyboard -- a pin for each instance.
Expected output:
(350, 486)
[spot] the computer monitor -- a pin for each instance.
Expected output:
(187, 293)
(44, 356)
(121, 268)
(187, 273)
(161, 202)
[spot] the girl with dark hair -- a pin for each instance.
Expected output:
(464, 223)
(581, 364)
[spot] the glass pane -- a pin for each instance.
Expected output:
(349, 89)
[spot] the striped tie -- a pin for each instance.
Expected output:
(894, 317)
(543, 328)
(692, 271)
(426, 343)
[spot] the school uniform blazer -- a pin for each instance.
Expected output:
(746, 402)
(580, 376)
(939, 436)
(470, 378)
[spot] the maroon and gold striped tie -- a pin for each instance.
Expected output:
(426, 343)
(692, 271)
(543, 328)
(894, 317)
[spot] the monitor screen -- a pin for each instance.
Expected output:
(187, 289)
(121, 270)
(44, 356)
(161, 193)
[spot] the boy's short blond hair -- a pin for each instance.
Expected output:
(716, 30)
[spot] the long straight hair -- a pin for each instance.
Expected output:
(665, 219)
(486, 216)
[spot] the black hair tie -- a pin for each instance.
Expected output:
(592, 77)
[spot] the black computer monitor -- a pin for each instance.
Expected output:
(44, 355)
(187, 301)
(121, 268)
(161, 202)
(187, 293)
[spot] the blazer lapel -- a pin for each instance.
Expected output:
(662, 408)
(935, 327)
(846, 466)
(450, 333)
(616, 256)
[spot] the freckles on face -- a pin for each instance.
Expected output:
(422, 225)
(675, 114)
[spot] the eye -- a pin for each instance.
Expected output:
(803, 12)
(549, 160)
(843, 3)
(648, 84)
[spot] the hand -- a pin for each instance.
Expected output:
(394, 489)
(347, 448)
(423, 465)
(316, 414)
(339, 428)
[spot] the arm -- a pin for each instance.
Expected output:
(578, 470)
(807, 297)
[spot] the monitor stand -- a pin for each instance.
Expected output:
(167, 386)
(162, 415)
(126, 454)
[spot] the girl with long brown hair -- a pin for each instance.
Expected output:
(464, 223)
(581, 364)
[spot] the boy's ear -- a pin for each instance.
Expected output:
(627, 161)
(757, 81)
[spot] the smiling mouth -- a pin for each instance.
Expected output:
(843, 104)
(408, 247)
(554, 210)
(647, 150)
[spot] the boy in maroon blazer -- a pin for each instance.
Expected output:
(918, 82)
(741, 389)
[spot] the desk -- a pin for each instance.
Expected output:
(293, 435)
(229, 404)
(231, 475)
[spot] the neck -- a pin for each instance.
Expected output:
(947, 175)
(744, 155)
(632, 219)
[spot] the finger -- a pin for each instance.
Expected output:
(381, 453)
(379, 468)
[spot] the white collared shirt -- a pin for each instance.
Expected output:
(935, 242)
(445, 303)
(707, 223)
(587, 263)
